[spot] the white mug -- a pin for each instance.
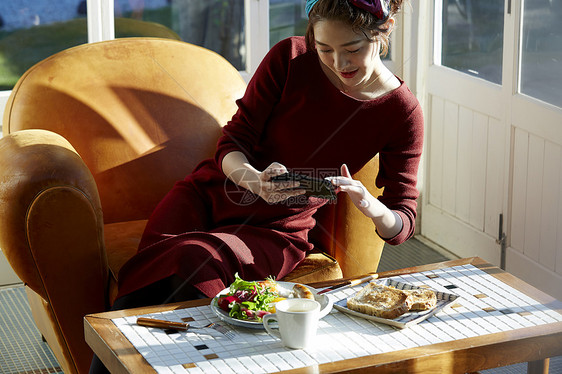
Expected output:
(297, 320)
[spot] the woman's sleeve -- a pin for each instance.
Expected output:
(398, 172)
(262, 94)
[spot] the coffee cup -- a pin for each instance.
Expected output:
(297, 320)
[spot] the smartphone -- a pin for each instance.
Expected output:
(317, 187)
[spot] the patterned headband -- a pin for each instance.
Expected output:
(378, 8)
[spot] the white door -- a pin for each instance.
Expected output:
(494, 135)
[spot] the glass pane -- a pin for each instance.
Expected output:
(214, 24)
(473, 37)
(541, 50)
(32, 30)
(286, 18)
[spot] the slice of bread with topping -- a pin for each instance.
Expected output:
(380, 301)
(421, 299)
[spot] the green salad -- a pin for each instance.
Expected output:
(250, 300)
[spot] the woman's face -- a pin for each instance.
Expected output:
(350, 56)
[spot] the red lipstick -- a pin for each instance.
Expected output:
(348, 74)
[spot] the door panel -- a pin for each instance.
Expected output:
(519, 190)
(550, 204)
(466, 179)
(450, 146)
(537, 199)
(533, 198)
(464, 165)
(495, 172)
(435, 147)
(476, 154)
(467, 140)
(475, 93)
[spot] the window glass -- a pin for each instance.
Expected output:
(541, 51)
(32, 30)
(286, 18)
(472, 39)
(214, 24)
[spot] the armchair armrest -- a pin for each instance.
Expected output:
(51, 226)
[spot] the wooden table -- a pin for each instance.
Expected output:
(470, 354)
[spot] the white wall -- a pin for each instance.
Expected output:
(3, 100)
(7, 275)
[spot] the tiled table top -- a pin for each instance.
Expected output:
(486, 305)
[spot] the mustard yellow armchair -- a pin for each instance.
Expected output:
(94, 137)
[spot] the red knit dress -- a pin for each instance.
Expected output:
(208, 228)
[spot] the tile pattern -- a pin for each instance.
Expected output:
(486, 305)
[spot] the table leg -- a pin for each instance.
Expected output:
(538, 367)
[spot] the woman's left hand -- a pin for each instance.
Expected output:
(359, 195)
(387, 221)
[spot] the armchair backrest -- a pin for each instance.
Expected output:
(141, 112)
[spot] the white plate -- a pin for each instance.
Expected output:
(406, 319)
(325, 307)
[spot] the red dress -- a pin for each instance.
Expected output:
(208, 228)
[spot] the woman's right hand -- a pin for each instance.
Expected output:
(236, 167)
(275, 192)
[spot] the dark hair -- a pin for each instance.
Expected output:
(360, 20)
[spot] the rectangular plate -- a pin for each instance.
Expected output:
(407, 319)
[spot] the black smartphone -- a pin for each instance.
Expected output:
(317, 187)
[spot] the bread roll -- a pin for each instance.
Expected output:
(302, 292)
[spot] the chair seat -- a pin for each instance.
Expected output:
(122, 240)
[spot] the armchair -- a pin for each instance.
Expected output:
(94, 137)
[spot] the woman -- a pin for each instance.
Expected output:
(323, 102)
(314, 103)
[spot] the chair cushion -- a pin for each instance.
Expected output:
(122, 240)
(121, 243)
(316, 267)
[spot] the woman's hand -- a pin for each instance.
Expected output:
(275, 192)
(237, 168)
(363, 200)
(387, 222)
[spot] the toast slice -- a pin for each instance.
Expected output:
(421, 299)
(380, 301)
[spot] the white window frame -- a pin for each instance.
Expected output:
(4, 95)
(257, 34)
(101, 26)
(101, 17)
